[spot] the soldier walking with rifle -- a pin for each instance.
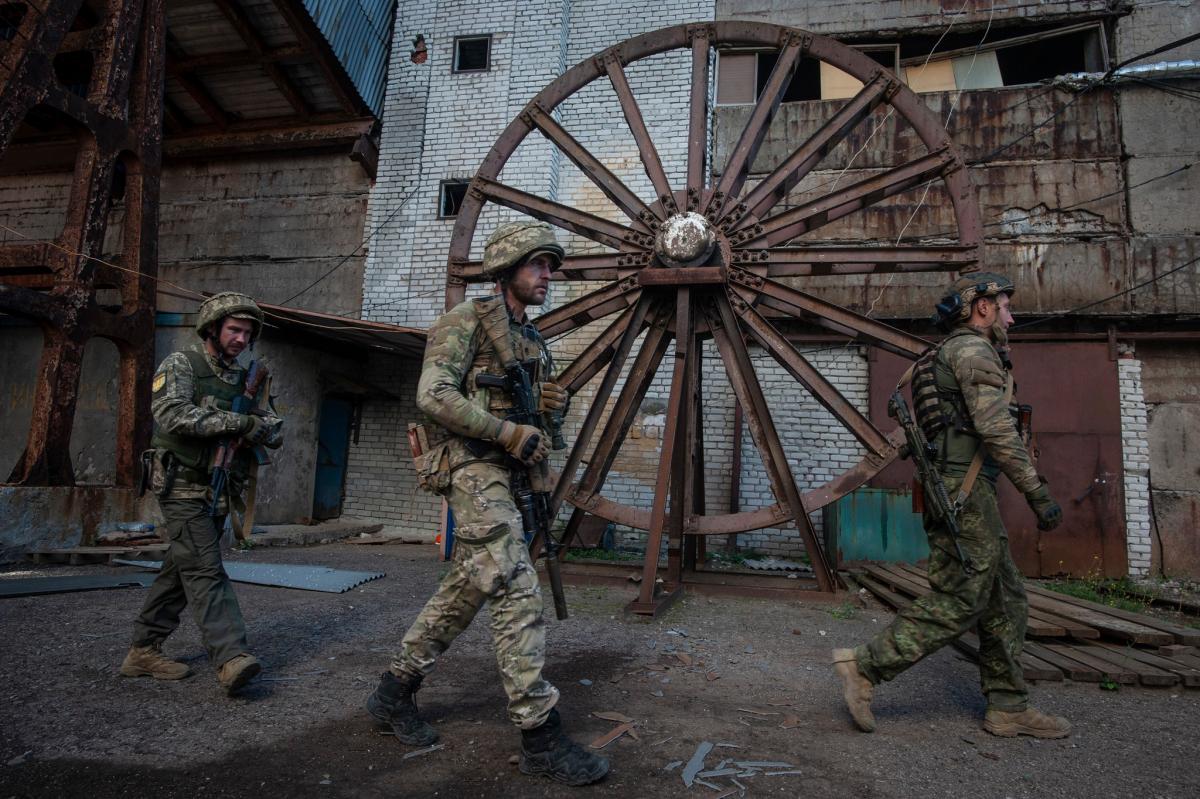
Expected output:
(492, 410)
(212, 419)
(964, 434)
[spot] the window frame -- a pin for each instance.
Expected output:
(458, 40)
(441, 198)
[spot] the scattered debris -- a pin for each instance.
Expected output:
(790, 721)
(664, 740)
(612, 735)
(749, 650)
(720, 772)
(514, 760)
(19, 759)
(425, 751)
(676, 631)
(757, 712)
(779, 773)
(34, 586)
(674, 764)
(585, 682)
(990, 755)
(712, 675)
(696, 763)
(795, 631)
(658, 694)
(609, 715)
(761, 764)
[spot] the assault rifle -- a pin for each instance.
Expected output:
(227, 448)
(533, 505)
(922, 452)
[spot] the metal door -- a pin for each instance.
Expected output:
(1074, 391)
(333, 447)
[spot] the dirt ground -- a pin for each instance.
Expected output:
(70, 725)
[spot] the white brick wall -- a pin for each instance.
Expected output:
(1135, 448)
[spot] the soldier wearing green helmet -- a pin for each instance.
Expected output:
(962, 392)
(469, 441)
(193, 391)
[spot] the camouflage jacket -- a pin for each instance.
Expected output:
(459, 348)
(175, 411)
(969, 369)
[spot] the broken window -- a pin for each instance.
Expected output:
(472, 53)
(451, 196)
(743, 74)
(1015, 61)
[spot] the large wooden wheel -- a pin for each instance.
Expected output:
(709, 260)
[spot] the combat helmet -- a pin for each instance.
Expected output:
(512, 242)
(228, 303)
(955, 305)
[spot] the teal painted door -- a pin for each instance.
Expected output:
(333, 447)
(877, 524)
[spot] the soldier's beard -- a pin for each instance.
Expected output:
(999, 334)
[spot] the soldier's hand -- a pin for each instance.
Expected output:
(256, 430)
(1048, 511)
(524, 442)
(554, 397)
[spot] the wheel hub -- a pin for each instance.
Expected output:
(685, 240)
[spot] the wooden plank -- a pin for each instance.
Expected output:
(1109, 626)
(1179, 634)
(882, 593)
(1189, 674)
(1106, 668)
(1188, 660)
(1072, 668)
(1146, 673)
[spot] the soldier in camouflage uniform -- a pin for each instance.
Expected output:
(962, 390)
(192, 395)
(470, 439)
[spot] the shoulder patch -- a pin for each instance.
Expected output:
(160, 380)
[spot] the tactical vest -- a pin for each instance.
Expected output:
(195, 454)
(940, 409)
(500, 339)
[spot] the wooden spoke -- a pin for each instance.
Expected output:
(596, 356)
(799, 368)
(792, 301)
(742, 377)
(775, 186)
(581, 222)
(598, 402)
(664, 485)
(698, 120)
(604, 266)
(621, 195)
(742, 158)
(811, 215)
(588, 308)
(641, 377)
(806, 261)
(637, 125)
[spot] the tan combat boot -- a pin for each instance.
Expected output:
(149, 661)
(856, 688)
(237, 671)
(1009, 724)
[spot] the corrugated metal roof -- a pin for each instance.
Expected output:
(360, 32)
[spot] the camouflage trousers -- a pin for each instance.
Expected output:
(491, 564)
(992, 596)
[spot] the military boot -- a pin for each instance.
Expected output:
(149, 661)
(856, 689)
(545, 750)
(392, 705)
(237, 671)
(1009, 724)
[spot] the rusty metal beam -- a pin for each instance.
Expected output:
(588, 308)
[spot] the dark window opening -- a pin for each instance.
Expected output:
(1042, 60)
(74, 71)
(451, 196)
(472, 53)
(11, 15)
(805, 83)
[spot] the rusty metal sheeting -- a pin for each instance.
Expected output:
(119, 106)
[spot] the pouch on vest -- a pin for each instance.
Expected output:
(432, 462)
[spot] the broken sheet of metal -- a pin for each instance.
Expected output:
(278, 575)
(36, 586)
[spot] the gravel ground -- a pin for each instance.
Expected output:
(70, 725)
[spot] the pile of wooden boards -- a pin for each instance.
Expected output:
(1071, 638)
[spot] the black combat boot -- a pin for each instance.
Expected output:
(545, 750)
(392, 706)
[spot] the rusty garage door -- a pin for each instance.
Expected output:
(1077, 428)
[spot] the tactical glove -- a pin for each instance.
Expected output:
(524, 442)
(1048, 511)
(554, 398)
(256, 430)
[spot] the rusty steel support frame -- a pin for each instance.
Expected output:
(740, 287)
(119, 120)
